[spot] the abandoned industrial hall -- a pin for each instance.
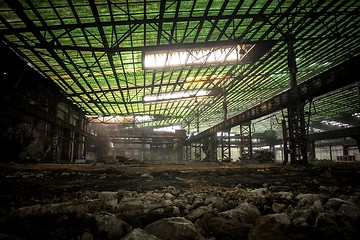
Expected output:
(180, 119)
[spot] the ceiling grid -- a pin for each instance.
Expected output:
(93, 50)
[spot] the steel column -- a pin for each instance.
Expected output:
(297, 127)
(187, 156)
(198, 144)
(225, 146)
(197, 148)
(285, 142)
(297, 134)
(245, 141)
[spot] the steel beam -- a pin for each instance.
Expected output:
(343, 74)
(339, 133)
(210, 18)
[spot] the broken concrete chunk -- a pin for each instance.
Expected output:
(175, 228)
(245, 212)
(140, 234)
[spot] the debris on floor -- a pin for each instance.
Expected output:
(184, 201)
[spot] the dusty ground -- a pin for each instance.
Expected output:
(207, 201)
(30, 184)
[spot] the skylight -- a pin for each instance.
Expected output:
(356, 115)
(335, 123)
(191, 57)
(122, 119)
(168, 129)
(176, 95)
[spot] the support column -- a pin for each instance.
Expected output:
(345, 149)
(357, 139)
(180, 152)
(52, 139)
(330, 149)
(197, 148)
(312, 155)
(197, 144)
(210, 148)
(65, 144)
(358, 93)
(285, 142)
(54, 144)
(225, 136)
(187, 156)
(245, 141)
(179, 144)
(225, 146)
(72, 146)
(297, 134)
(297, 127)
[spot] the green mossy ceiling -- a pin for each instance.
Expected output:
(93, 51)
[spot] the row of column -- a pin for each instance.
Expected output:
(210, 145)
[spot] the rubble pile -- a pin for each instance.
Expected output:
(214, 213)
(203, 212)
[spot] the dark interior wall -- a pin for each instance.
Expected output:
(30, 106)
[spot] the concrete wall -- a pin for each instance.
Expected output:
(324, 153)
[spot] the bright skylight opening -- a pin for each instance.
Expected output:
(176, 95)
(122, 119)
(191, 57)
(316, 130)
(205, 78)
(168, 129)
(356, 115)
(335, 123)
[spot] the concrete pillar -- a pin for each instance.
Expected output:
(210, 148)
(331, 158)
(312, 154)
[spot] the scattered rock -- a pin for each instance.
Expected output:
(68, 220)
(261, 192)
(280, 218)
(201, 212)
(139, 234)
(270, 226)
(336, 203)
(282, 195)
(317, 207)
(110, 198)
(175, 228)
(304, 213)
(141, 209)
(307, 199)
(109, 226)
(216, 202)
(349, 210)
(326, 223)
(147, 175)
(227, 228)
(245, 212)
(176, 211)
(87, 236)
(198, 212)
